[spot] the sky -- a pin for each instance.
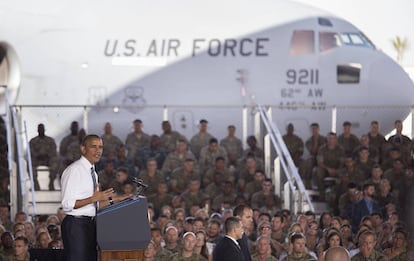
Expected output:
(380, 20)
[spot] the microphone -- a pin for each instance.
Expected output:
(139, 182)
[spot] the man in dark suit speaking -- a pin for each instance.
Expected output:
(228, 248)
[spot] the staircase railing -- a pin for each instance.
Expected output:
(24, 164)
(295, 196)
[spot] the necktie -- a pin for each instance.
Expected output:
(369, 206)
(94, 186)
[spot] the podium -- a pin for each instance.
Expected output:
(123, 230)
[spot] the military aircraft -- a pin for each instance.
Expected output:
(98, 61)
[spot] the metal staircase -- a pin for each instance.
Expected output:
(23, 196)
(46, 201)
(288, 184)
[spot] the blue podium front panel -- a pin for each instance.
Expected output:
(124, 225)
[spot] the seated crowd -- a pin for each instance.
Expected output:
(195, 184)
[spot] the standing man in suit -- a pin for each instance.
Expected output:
(245, 214)
(364, 207)
(228, 248)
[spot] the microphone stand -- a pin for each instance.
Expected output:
(141, 186)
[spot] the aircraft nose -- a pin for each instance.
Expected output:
(390, 82)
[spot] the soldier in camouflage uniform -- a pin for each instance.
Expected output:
(154, 151)
(330, 159)
(219, 167)
(172, 240)
(110, 142)
(228, 196)
(258, 198)
(21, 248)
(193, 196)
(299, 251)
(351, 172)
(181, 177)
(246, 173)
(122, 161)
(396, 173)
(121, 176)
(400, 245)
(346, 174)
(187, 251)
(312, 145)
(373, 151)
(347, 140)
(136, 140)
(161, 198)
(376, 176)
(170, 138)
(106, 175)
(233, 146)
(176, 158)
(280, 226)
(255, 185)
(162, 254)
(388, 162)
(377, 140)
(201, 139)
(152, 177)
(364, 164)
(209, 154)
(214, 188)
(294, 144)
(43, 152)
(399, 140)
(253, 148)
(367, 243)
(70, 145)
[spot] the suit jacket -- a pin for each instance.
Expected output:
(359, 210)
(226, 250)
(244, 245)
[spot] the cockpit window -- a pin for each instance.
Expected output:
(302, 42)
(324, 22)
(328, 40)
(356, 39)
